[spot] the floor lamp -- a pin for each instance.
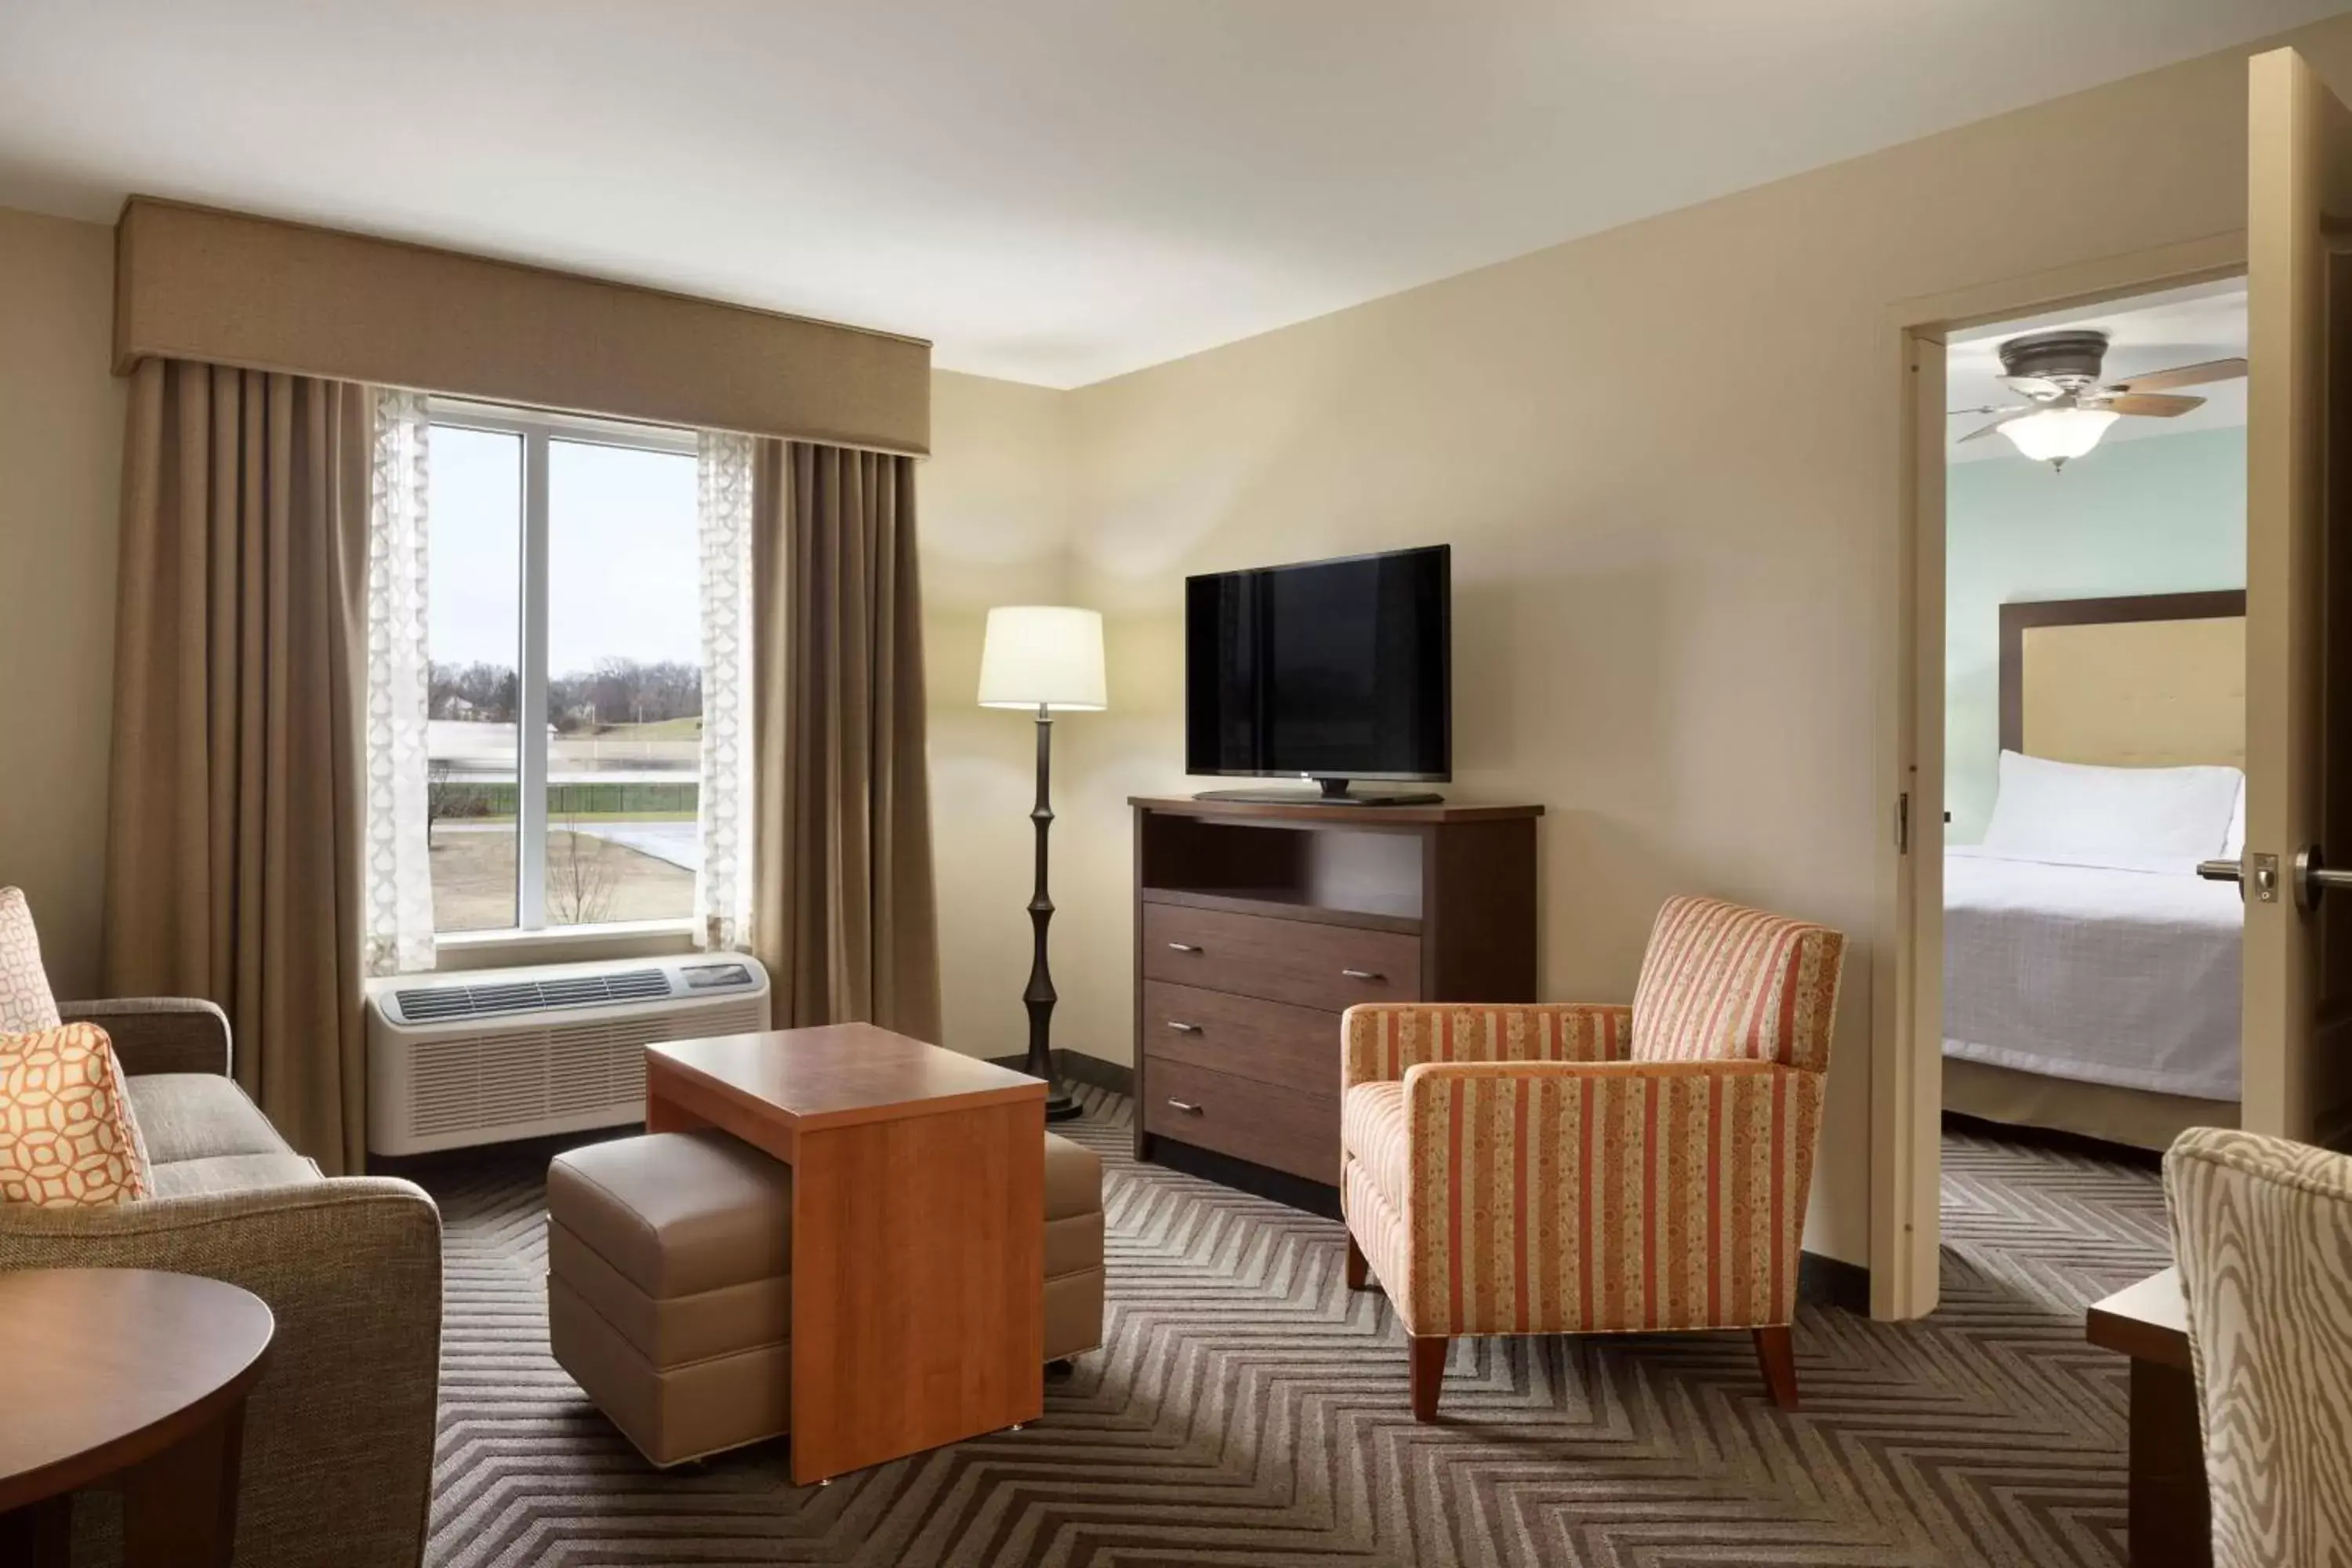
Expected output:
(1048, 657)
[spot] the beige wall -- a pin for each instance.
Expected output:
(995, 520)
(1666, 459)
(60, 457)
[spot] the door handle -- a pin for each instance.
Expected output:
(2312, 877)
(1186, 1107)
(1362, 974)
(1183, 1029)
(2265, 878)
(1183, 947)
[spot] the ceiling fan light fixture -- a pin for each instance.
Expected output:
(2056, 434)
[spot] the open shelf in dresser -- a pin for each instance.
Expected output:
(1258, 924)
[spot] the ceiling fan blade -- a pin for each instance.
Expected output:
(2034, 386)
(2184, 375)
(1991, 408)
(2152, 404)
(1987, 430)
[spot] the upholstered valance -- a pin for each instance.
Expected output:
(195, 283)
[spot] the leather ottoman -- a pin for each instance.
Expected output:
(1074, 1249)
(669, 1293)
(668, 1299)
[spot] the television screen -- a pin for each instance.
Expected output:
(1332, 670)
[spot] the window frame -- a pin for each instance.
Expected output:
(538, 429)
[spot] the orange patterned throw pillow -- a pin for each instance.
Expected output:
(65, 1133)
(24, 999)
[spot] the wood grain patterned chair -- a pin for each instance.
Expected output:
(1564, 1168)
(2262, 1229)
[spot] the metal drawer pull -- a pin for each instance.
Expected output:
(1183, 1029)
(1362, 974)
(1183, 947)
(1187, 1109)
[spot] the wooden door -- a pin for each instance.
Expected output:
(2298, 946)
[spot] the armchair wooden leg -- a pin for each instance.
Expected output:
(1360, 1273)
(1428, 1374)
(1778, 1354)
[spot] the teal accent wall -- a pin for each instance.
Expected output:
(2162, 514)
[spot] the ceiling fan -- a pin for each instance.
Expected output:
(2067, 408)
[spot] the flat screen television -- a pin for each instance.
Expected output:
(1329, 670)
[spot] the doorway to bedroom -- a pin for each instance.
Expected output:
(2093, 691)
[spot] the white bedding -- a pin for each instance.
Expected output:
(2109, 968)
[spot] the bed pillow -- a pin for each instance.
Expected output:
(2079, 811)
(2233, 843)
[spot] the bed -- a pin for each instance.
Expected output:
(2091, 980)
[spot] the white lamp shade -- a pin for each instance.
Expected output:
(2055, 435)
(1043, 656)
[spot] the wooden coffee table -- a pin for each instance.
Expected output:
(136, 1379)
(919, 1313)
(2168, 1511)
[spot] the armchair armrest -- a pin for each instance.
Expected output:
(1381, 1040)
(338, 1435)
(1593, 1198)
(159, 1033)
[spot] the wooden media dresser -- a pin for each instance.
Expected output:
(1256, 925)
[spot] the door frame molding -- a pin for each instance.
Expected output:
(1906, 1078)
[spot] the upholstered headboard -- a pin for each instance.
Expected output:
(2150, 680)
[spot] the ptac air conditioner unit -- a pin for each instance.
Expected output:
(460, 1060)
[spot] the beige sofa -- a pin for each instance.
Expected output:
(338, 1459)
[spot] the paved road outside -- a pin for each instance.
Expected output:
(679, 843)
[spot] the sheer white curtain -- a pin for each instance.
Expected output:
(397, 877)
(722, 886)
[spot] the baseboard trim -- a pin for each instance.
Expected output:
(1246, 1176)
(1076, 1067)
(2054, 1138)
(1079, 1067)
(1834, 1282)
(537, 1150)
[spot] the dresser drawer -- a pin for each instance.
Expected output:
(1306, 965)
(1272, 1042)
(1287, 1128)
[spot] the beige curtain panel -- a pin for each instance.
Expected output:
(233, 868)
(842, 910)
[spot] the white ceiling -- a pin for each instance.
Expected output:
(2151, 332)
(1052, 190)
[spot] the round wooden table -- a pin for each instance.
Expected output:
(134, 1379)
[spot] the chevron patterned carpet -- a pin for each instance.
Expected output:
(1249, 1412)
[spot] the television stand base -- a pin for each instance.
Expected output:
(1335, 791)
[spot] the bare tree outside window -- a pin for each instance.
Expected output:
(582, 874)
(439, 794)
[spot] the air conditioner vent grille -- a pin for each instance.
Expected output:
(485, 1083)
(462, 1060)
(441, 1004)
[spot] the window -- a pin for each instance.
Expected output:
(564, 731)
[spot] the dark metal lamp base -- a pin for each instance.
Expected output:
(1038, 996)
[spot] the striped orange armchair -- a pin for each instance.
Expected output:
(1555, 1169)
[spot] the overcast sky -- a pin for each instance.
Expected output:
(622, 563)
